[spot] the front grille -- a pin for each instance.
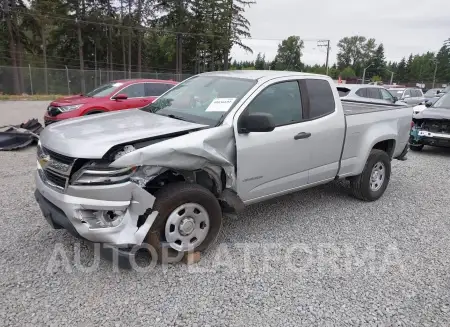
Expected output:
(437, 126)
(59, 157)
(55, 179)
(56, 168)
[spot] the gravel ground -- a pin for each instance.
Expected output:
(314, 258)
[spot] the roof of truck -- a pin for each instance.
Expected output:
(258, 74)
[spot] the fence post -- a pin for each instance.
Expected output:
(100, 77)
(68, 81)
(156, 75)
(31, 80)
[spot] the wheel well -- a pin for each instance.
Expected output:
(94, 111)
(387, 146)
(200, 177)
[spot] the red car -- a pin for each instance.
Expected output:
(116, 95)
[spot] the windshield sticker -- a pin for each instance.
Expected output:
(221, 104)
(117, 84)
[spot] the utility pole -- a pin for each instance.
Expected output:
(325, 43)
(364, 74)
(435, 71)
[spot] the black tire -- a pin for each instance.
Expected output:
(416, 147)
(360, 184)
(171, 197)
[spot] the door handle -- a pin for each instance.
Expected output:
(302, 135)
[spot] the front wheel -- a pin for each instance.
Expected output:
(374, 179)
(189, 219)
(416, 147)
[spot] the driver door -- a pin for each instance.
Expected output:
(136, 97)
(272, 163)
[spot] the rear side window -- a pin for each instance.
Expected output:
(343, 91)
(362, 93)
(374, 93)
(156, 89)
(134, 91)
(408, 92)
(321, 100)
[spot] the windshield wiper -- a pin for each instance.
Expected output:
(175, 117)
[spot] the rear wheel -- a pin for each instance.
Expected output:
(416, 147)
(189, 219)
(373, 181)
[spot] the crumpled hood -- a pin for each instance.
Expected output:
(91, 137)
(435, 113)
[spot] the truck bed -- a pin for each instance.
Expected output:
(354, 107)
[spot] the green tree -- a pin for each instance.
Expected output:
(289, 54)
(355, 52)
(443, 65)
(378, 62)
(260, 62)
(401, 72)
(348, 72)
(409, 64)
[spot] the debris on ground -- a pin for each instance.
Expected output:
(13, 137)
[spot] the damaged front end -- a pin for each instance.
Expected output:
(430, 131)
(92, 200)
(110, 200)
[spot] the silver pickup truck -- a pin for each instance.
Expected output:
(164, 174)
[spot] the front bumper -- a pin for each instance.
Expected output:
(432, 139)
(128, 197)
(58, 220)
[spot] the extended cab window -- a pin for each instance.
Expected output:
(321, 99)
(134, 91)
(281, 100)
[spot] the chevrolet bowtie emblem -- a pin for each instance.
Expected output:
(43, 160)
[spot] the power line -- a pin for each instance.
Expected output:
(155, 29)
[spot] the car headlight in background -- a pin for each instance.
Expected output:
(93, 174)
(70, 108)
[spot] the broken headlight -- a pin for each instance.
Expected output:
(98, 174)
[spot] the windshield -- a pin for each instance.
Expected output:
(201, 99)
(443, 102)
(104, 90)
(396, 92)
(431, 92)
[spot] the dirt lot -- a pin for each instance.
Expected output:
(314, 258)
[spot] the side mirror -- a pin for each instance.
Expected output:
(256, 122)
(120, 96)
(437, 92)
(428, 104)
(395, 99)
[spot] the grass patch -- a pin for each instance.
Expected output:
(25, 97)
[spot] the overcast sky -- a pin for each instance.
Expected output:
(403, 26)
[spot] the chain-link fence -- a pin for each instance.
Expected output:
(31, 80)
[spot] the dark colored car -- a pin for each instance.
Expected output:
(432, 126)
(116, 95)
